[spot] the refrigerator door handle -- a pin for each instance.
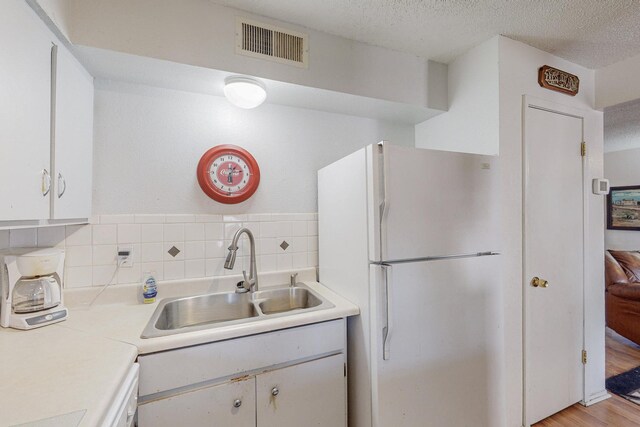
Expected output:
(388, 324)
(384, 203)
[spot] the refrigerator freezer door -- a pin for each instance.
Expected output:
(432, 203)
(437, 347)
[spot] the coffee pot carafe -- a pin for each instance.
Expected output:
(30, 295)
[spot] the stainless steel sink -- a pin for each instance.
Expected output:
(286, 299)
(205, 309)
(178, 315)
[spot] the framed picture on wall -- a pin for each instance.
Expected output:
(623, 208)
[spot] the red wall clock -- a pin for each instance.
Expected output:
(228, 174)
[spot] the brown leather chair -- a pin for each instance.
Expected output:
(622, 298)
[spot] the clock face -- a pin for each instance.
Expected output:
(228, 174)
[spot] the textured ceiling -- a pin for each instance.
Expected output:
(622, 126)
(592, 33)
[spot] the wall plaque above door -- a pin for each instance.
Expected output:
(558, 80)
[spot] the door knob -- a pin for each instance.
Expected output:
(237, 403)
(537, 282)
(275, 391)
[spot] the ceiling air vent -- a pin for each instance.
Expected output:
(265, 41)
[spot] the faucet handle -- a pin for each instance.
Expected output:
(293, 278)
(240, 289)
(248, 280)
(245, 285)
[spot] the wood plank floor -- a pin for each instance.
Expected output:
(621, 356)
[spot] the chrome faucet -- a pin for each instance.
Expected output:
(249, 283)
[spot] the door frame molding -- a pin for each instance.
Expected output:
(566, 110)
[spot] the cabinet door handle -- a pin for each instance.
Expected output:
(62, 184)
(46, 182)
(237, 403)
(275, 391)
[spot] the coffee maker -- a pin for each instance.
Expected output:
(31, 287)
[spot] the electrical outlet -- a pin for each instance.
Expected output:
(125, 256)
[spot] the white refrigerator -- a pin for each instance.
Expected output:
(412, 237)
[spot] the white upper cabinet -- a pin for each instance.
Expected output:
(73, 138)
(46, 124)
(25, 112)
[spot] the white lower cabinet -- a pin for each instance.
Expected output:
(227, 404)
(308, 394)
(288, 378)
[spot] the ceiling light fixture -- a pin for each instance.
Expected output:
(244, 92)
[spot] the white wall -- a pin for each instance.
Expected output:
(471, 123)
(202, 33)
(618, 82)
(519, 65)
(148, 142)
(622, 126)
(621, 168)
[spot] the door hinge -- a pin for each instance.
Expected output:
(584, 357)
(583, 149)
(345, 370)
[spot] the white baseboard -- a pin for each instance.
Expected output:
(596, 398)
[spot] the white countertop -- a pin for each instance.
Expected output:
(79, 364)
(52, 371)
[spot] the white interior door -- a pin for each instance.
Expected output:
(441, 325)
(553, 252)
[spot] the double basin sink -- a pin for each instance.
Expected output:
(178, 315)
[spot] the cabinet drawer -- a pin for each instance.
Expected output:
(191, 365)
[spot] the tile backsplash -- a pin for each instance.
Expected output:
(173, 246)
